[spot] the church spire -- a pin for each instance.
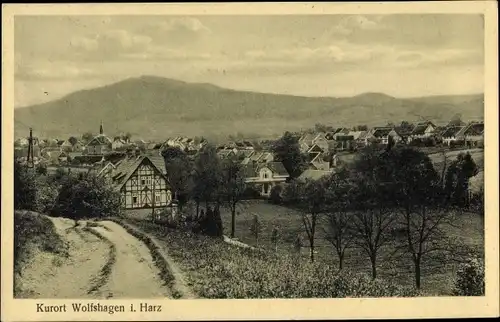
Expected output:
(101, 130)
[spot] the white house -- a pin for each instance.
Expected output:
(265, 176)
(421, 131)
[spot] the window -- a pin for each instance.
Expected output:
(265, 175)
(157, 198)
(143, 182)
(134, 200)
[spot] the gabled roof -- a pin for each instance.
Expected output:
(251, 170)
(380, 132)
(452, 131)
(474, 129)
(125, 168)
(100, 139)
(315, 148)
(419, 129)
(276, 167)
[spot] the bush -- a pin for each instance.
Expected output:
(210, 223)
(275, 195)
(86, 196)
(470, 279)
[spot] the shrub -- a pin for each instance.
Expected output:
(275, 195)
(210, 223)
(86, 196)
(470, 279)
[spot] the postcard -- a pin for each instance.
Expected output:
(249, 161)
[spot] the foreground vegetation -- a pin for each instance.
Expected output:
(216, 269)
(33, 232)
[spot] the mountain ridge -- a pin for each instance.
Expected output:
(157, 107)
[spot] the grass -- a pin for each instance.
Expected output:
(438, 272)
(216, 269)
(33, 232)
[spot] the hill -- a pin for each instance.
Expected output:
(155, 108)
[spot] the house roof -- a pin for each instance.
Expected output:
(126, 167)
(251, 169)
(100, 139)
(315, 148)
(419, 129)
(474, 129)
(452, 131)
(380, 132)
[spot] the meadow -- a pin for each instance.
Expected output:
(439, 269)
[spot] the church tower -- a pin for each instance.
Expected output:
(101, 130)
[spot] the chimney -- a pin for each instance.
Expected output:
(101, 130)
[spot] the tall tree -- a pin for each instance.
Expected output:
(287, 150)
(457, 179)
(207, 177)
(312, 200)
(418, 192)
(233, 187)
(179, 169)
(338, 228)
(372, 203)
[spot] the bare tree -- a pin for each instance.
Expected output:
(313, 201)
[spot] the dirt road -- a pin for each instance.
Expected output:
(116, 266)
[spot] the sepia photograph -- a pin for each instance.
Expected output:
(247, 156)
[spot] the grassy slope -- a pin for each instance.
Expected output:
(33, 232)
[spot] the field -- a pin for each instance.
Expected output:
(437, 274)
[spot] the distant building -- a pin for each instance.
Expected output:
(450, 134)
(472, 134)
(381, 135)
(421, 131)
(265, 176)
(100, 144)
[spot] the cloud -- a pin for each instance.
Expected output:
(181, 31)
(53, 71)
(109, 44)
(352, 23)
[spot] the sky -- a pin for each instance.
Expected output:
(402, 55)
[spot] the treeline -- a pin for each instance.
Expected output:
(384, 193)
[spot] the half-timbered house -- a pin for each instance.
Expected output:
(141, 180)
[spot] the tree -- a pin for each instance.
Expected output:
(233, 188)
(207, 177)
(25, 187)
(256, 228)
(371, 203)
(418, 192)
(127, 136)
(73, 140)
(312, 200)
(275, 195)
(457, 179)
(87, 136)
(406, 126)
(179, 169)
(338, 222)
(287, 150)
(456, 120)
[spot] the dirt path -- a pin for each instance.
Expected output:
(53, 276)
(112, 265)
(180, 284)
(134, 274)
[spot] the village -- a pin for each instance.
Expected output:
(326, 149)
